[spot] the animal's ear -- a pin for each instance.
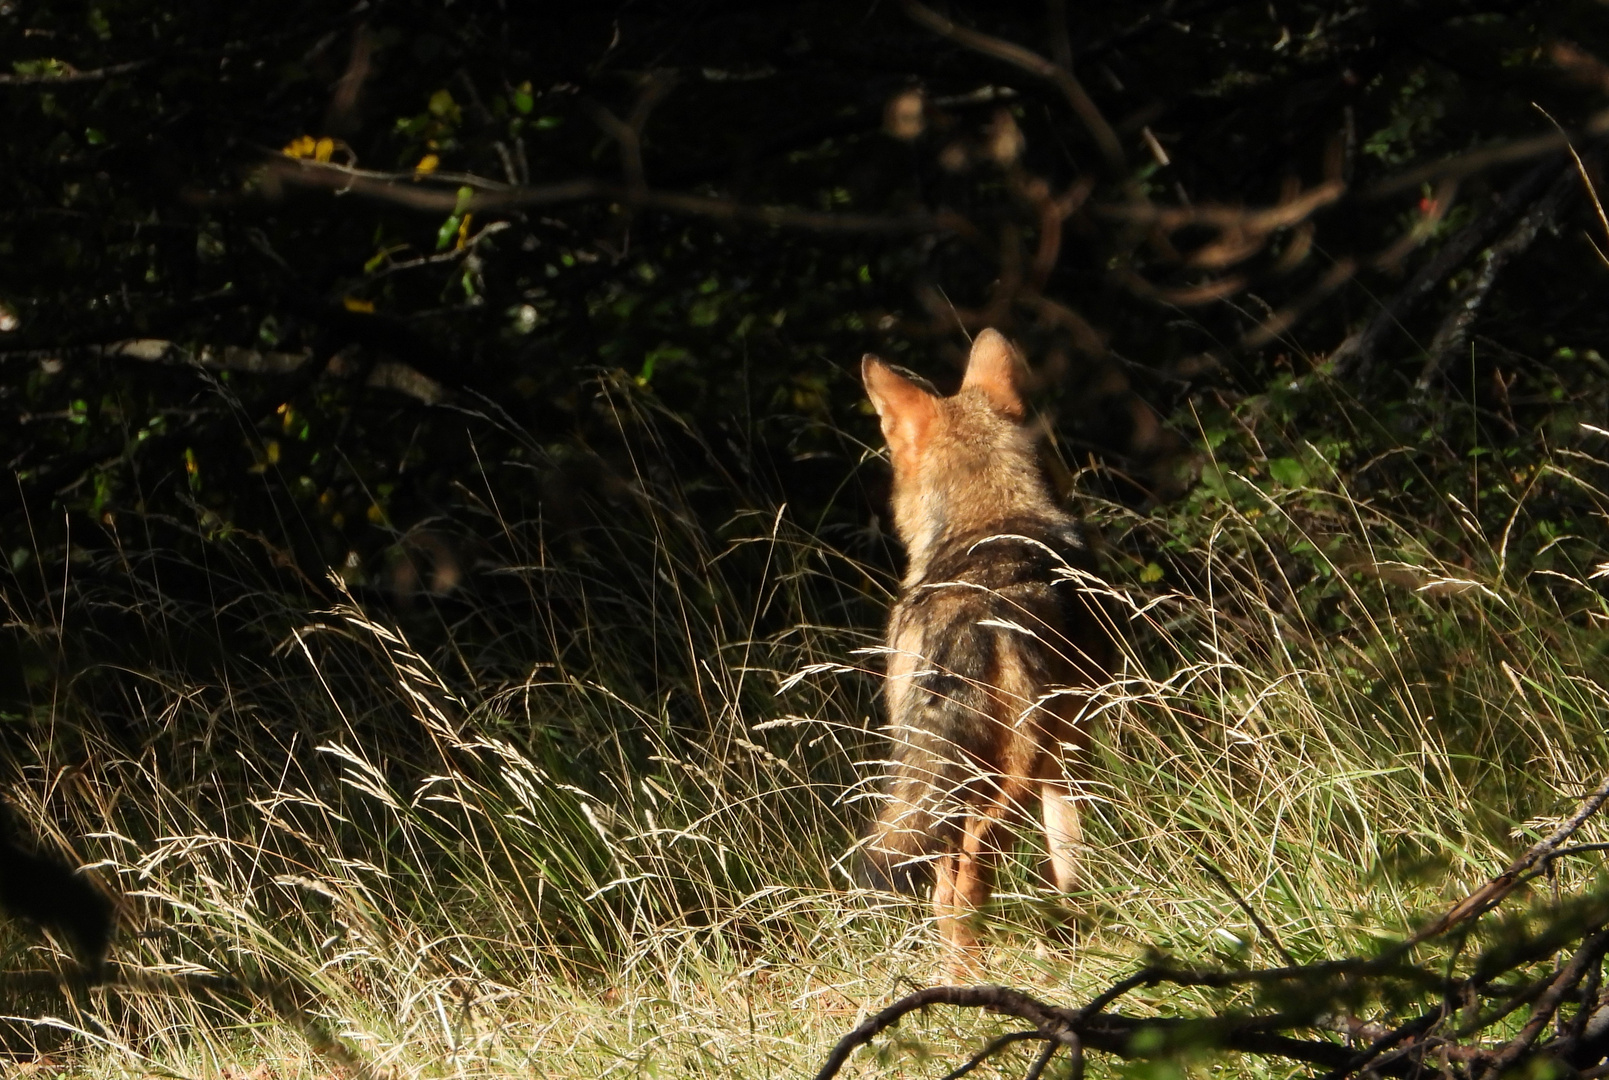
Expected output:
(995, 367)
(906, 409)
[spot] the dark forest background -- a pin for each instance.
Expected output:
(323, 284)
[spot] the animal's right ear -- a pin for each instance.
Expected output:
(905, 408)
(996, 368)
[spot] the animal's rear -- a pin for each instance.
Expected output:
(993, 626)
(938, 758)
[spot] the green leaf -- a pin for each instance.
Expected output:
(1288, 472)
(448, 232)
(444, 108)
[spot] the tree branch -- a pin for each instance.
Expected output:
(405, 189)
(1454, 330)
(72, 75)
(1311, 994)
(1355, 356)
(1028, 60)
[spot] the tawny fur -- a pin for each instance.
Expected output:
(992, 641)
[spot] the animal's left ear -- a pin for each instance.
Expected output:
(995, 367)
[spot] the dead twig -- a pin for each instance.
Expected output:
(996, 1045)
(1547, 1005)
(1492, 893)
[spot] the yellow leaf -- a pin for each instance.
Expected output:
(355, 303)
(427, 164)
(376, 515)
(300, 147)
(463, 230)
(271, 451)
(323, 149)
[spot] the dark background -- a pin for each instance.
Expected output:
(421, 293)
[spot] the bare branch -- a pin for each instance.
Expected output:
(1001, 999)
(406, 190)
(996, 1045)
(1310, 994)
(1280, 216)
(342, 111)
(628, 133)
(1031, 62)
(72, 75)
(1454, 330)
(1548, 1005)
(1480, 160)
(1492, 893)
(1355, 355)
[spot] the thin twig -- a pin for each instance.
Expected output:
(1037, 1069)
(1480, 160)
(1491, 894)
(995, 1046)
(1257, 920)
(1383, 1043)
(1564, 852)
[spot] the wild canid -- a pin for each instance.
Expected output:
(992, 645)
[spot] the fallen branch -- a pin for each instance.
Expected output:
(1356, 355)
(1316, 1000)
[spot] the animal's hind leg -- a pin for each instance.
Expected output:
(1064, 833)
(965, 879)
(957, 936)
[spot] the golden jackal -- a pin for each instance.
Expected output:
(990, 644)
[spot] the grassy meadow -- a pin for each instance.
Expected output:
(587, 812)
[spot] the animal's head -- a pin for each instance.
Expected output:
(959, 461)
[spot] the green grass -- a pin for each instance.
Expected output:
(610, 841)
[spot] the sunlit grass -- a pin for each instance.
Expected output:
(610, 841)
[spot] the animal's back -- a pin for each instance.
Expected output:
(997, 621)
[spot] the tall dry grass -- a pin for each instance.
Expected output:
(598, 826)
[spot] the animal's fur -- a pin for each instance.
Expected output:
(991, 642)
